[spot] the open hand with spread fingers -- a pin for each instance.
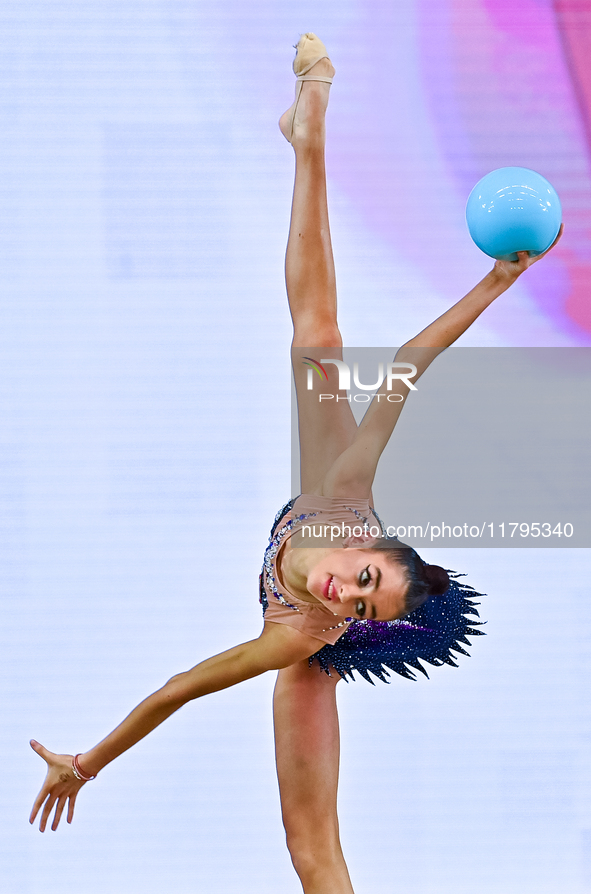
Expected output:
(61, 784)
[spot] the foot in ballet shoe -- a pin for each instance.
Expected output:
(310, 50)
(305, 117)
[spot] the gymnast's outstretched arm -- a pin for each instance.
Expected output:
(352, 474)
(278, 646)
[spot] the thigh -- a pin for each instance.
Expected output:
(307, 748)
(326, 425)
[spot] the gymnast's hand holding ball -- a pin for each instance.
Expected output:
(512, 269)
(514, 215)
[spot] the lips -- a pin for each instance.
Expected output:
(328, 589)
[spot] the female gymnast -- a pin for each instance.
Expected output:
(325, 606)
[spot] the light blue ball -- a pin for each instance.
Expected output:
(511, 210)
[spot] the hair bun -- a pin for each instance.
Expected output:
(437, 580)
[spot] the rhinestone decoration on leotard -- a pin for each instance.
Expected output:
(379, 521)
(275, 541)
(365, 518)
(357, 514)
(336, 626)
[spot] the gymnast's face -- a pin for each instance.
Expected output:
(358, 583)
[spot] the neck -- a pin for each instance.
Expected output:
(295, 566)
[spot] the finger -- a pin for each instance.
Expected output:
(523, 260)
(40, 750)
(38, 802)
(46, 811)
(58, 813)
(71, 805)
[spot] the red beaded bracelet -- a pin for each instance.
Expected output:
(78, 772)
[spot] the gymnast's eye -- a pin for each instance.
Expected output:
(365, 577)
(360, 608)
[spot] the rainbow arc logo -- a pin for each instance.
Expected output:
(317, 367)
(403, 372)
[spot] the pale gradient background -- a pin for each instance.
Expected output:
(144, 406)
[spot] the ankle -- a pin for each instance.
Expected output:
(309, 150)
(310, 139)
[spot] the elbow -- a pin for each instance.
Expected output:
(175, 693)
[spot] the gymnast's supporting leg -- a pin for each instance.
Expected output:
(307, 754)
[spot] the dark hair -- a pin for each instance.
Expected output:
(424, 580)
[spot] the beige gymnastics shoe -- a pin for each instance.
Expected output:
(310, 50)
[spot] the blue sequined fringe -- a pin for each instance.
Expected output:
(431, 634)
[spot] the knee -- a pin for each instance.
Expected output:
(312, 856)
(317, 334)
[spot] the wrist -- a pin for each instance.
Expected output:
(500, 278)
(81, 768)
